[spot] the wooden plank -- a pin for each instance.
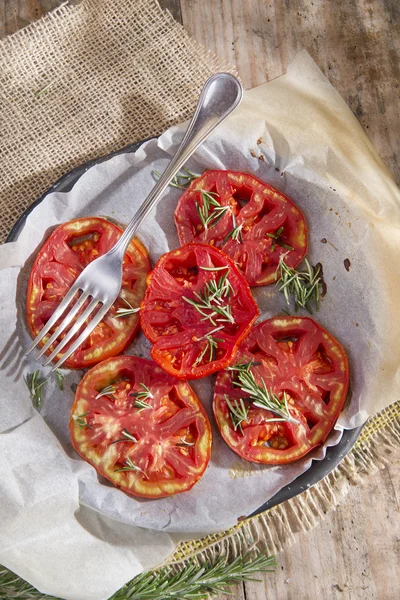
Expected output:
(15, 14)
(174, 7)
(352, 555)
(355, 42)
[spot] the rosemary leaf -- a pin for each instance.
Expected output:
(109, 390)
(36, 387)
(259, 395)
(126, 312)
(142, 397)
(238, 412)
(304, 287)
(181, 180)
(59, 379)
(81, 421)
(126, 437)
(130, 466)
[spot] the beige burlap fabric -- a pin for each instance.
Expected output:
(86, 80)
(90, 79)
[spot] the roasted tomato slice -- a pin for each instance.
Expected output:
(60, 260)
(196, 310)
(246, 218)
(140, 428)
(303, 370)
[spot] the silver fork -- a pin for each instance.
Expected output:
(100, 282)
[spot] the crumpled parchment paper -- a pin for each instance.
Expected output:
(67, 530)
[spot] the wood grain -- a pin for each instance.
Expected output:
(356, 43)
(354, 553)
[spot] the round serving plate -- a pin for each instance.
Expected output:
(319, 468)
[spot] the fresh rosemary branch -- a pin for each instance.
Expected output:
(59, 379)
(35, 386)
(126, 312)
(180, 181)
(81, 421)
(212, 298)
(260, 396)
(109, 390)
(141, 398)
(208, 219)
(126, 437)
(235, 233)
(238, 412)
(277, 240)
(212, 345)
(304, 286)
(194, 581)
(130, 466)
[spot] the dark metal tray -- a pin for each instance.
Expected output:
(319, 468)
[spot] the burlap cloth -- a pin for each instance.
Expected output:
(92, 78)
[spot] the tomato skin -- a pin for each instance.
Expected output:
(295, 355)
(59, 262)
(174, 413)
(176, 329)
(259, 209)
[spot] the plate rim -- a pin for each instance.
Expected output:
(319, 469)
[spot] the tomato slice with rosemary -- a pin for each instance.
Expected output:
(58, 263)
(284, 393)
(196, 310)
(246, 218)
(142, 429)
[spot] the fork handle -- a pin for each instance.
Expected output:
(219, 97)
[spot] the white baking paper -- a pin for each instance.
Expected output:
(297, 134)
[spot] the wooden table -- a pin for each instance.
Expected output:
(354, 553)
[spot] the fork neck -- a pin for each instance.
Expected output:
(219, 97)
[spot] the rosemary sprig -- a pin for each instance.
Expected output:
(304, 286)
(130, 466)
(35, 386)
(195, 581)
(59, 379)
(109, 390)
(235, 233)
(183, 442)
(126, 312)
(238, 413)
(277, 240)
(126, 437)
(259, 395)
(214, 268)
(81, 420)
(211, 346)
(214, 294)
(180, 181)
(141, 397)
(208, 219)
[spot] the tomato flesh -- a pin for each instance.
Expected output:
(295, 356)
(63, 256)
(166, 436)
(191, 342)
(269, 223)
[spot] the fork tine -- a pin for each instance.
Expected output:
(54, 317)
(74, 329)
(77, 306)
(89, 328)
